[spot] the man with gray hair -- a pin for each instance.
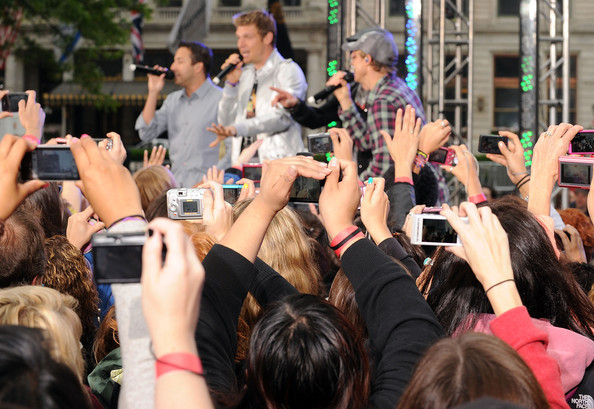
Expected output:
(373, 61)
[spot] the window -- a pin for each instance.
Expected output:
(511, 8)
(508, 8)
(396, 8)
(229, 3)
(506, 112)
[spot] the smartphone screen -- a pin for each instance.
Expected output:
(575, 174)
(319, 143)
(489, 143)
(583, 142)
(433, 230)
(51, 163)
(306, 190)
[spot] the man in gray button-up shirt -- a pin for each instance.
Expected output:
(185, 114)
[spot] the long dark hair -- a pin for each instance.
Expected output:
(304, 354)
(546, 287)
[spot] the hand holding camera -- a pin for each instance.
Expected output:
(218, 214)
(171, 290)
(485, 248)
(12, 150)
(107, 185)
(340, 198)
(374, 210)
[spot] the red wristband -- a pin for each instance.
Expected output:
(358, 235)
(180, 361)
(480, 198)
(342, 235)
(403, 179)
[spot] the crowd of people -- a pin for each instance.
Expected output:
(263, 304)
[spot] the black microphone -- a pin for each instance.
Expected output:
(148, 70)
(325, 93)
(225, 71)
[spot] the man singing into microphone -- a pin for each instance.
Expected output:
(373, 60)
(245, 111)
(185, 114)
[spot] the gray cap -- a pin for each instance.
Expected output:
(377, 42)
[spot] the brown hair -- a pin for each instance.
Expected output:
(286, 249)
(106, 339)
(459, 370)
(263, 21)
(67, 271)
(152, 181)
(342, 296)
(377, 66)
(22, 255)
(202, 242)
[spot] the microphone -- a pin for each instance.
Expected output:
(325, 93)
(225, 71)
(146, 69)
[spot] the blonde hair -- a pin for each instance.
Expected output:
(152, 181)
(286, 249)
(47, 309)
(263, 21)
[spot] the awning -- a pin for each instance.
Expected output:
(127, 93)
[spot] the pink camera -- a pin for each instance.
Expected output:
(575, 171)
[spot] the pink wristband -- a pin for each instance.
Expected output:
(480, 198)
(403, 179)
(180, 361)
(31, 138)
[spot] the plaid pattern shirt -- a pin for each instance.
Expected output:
(389, 94)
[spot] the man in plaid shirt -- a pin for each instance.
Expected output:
(373, 60)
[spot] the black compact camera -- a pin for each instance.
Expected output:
(10, 101)
(49, 162)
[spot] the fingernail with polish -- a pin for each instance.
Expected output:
(370, 181)
(245, 186)
(150, 232)
(84, 136)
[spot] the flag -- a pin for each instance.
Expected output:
(9, 28)
(192, 24)
(70, 48)
(136, 34)
(283, 43)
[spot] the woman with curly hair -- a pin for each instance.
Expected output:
(67, 271)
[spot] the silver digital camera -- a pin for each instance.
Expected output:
(184, 204)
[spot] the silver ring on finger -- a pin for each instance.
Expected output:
(443, 124)
(547, 133)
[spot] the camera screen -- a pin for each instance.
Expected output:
(438, 156)
(231, 193)
(583, 142)
(190, 207)
(576, 173)
(306, 190)
(488, 143)
(117, 264)
(252, 172)
(438, 231)
(54, 164)
(320, 144)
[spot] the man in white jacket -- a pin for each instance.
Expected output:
(245, 110)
